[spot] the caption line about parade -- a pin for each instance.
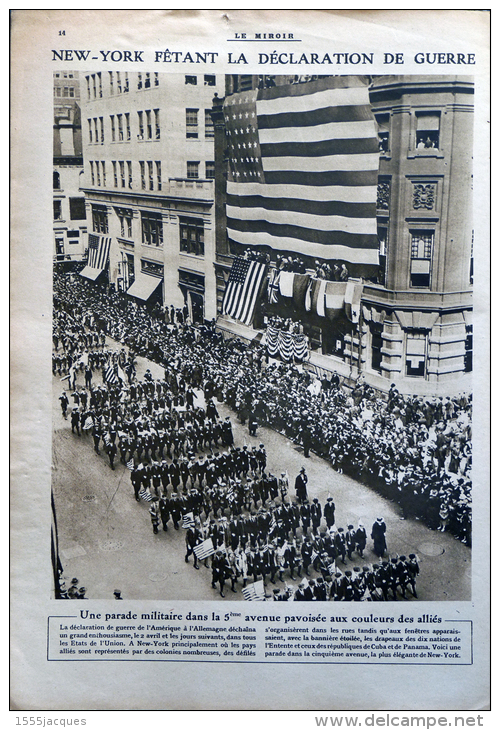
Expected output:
(253, 636)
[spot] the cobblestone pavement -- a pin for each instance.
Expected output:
(106, 539)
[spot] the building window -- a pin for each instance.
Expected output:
(99, 219)
(94, 87)
(209, 80)
(98, 173)
(152, 229)
(103, 168)
(143, 175)
(147, 80)
(140, 118)
(92, 173)
(101, 124)
(427, 135)
(60, 248)
(383, 122)
(192, 169)
(382, 253)
(157, 123)
(415, 353)
(127, 126)
(422, 243)
(113, 134)
(157, 78)
(209, 125)
(149, 128)
(87, 79)
(129, 170)
(122, 173)
(77, 209)
(158, 174)
(90, 130)
(125, 217)
(192, 236)
(96, 132)
(150, 175)
(210, 170)
(192, 123)
(468, 349)
(191, 80)
(57, 91)
(99, 80)
(56, 180)
(377, 344)
(115, 174)
(139, 81)
(119, 120)
(57, 210)
(125, 83)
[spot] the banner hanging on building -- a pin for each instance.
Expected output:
(304, 162)
(242, 289)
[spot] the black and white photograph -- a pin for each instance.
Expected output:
(262, 336)
(250, 361)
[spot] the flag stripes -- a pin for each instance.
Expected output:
(242, 289)
(188, 520)
(304, 164)
(110, 375)
(204, 549)
(145, 495)
(255, 592)
(98, 251)
(285, 344)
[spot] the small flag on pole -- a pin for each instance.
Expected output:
(145, 495)
(204, 549)
(255, 592)
(130, 464)
(188, 520)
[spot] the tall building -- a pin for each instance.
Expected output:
(69, 204)
(365, 183)
(149, 184)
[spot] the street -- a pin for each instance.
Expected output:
(107, 542)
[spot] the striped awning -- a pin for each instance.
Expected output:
(144, 286)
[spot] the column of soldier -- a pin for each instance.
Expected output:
(394, 451)
(142, 424)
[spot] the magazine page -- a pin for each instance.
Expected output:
(250, 339)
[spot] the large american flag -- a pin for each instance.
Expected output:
(242, 289)
(98, 251)
(303, 172)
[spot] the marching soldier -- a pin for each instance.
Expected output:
(316, 514)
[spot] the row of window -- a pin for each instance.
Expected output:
(421, 248)
(191, 230)
(76, 209)
(64, 92)
(148, 126)
(119, 82)
(416, 351)
(149, 173)
(192, 124)
(425, 135)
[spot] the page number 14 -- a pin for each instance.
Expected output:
(62, 32)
